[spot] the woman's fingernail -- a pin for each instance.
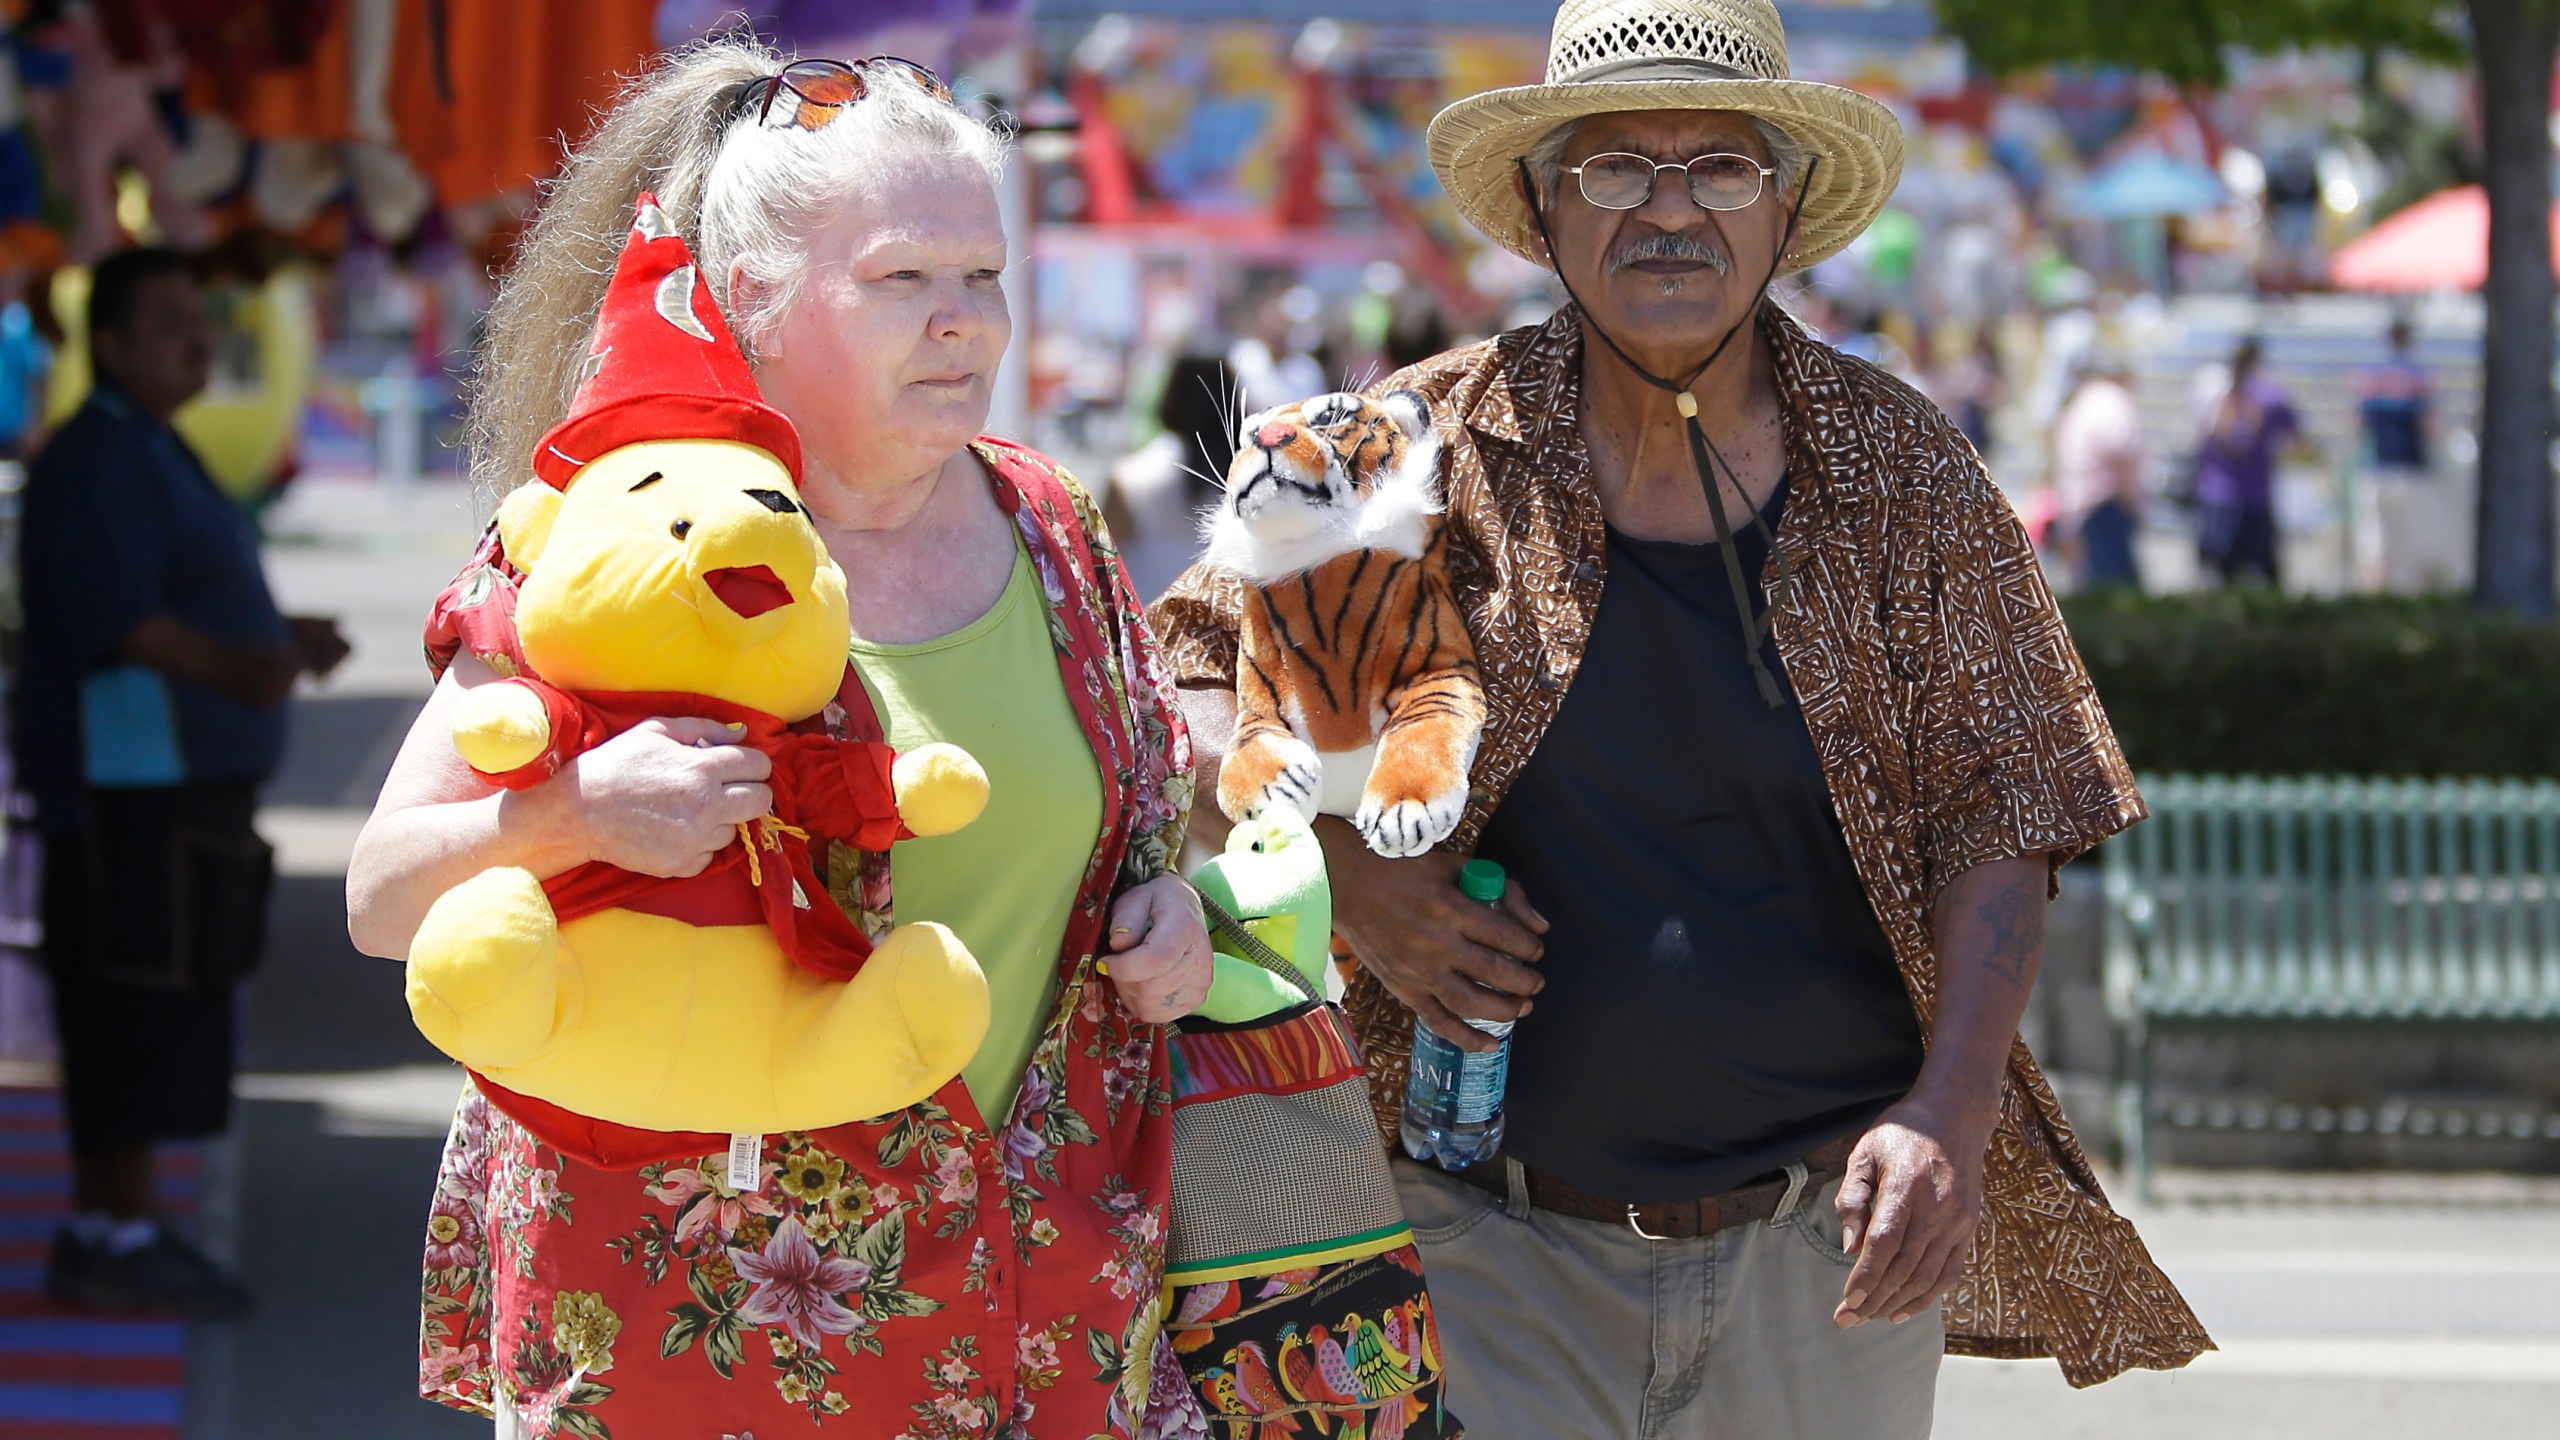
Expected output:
(1101, 967)
(738, 725)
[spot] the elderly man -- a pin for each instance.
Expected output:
(1785, 741)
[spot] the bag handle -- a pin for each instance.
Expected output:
(1255, 952)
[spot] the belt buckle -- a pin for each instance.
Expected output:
(1638, 1226)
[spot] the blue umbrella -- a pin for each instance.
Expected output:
(2144, 186)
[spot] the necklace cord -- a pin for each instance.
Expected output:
(1702, 451)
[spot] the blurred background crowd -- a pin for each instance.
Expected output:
(1228, 195)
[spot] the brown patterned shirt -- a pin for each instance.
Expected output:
(1955, 724)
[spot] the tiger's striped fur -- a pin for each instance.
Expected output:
(1357, 692)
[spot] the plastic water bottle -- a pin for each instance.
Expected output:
(1453, 1097)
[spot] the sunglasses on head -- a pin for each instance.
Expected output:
(821, 89)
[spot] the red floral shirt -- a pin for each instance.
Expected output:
(926, 1275)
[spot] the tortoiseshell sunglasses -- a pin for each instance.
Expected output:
(821, 89)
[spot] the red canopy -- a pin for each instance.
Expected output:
(2440, 243)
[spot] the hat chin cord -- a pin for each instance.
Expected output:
(1702, 451)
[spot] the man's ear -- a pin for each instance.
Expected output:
(524, 522)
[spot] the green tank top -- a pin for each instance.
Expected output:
(1005, 884)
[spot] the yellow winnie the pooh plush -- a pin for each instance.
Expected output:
(670, 570)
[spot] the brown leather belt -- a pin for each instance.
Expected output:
(1662, 1219)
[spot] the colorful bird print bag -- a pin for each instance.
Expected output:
(1297, 1297)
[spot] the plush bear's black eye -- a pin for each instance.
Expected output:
(775, 501)
(680, 529)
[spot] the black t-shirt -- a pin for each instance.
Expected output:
(1719, 996)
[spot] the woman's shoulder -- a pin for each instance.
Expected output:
(476, 612)
(1038, 478)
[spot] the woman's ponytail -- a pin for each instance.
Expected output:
(662, 133)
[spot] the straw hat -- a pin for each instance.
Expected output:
(1612, 55)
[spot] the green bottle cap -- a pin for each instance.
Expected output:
(1481, 881)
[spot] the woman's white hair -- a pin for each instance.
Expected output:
(774, 186)
(748, 197)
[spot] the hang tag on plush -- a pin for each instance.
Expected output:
(746, 1163)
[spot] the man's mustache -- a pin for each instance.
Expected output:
(1671, 245)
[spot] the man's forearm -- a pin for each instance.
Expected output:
(1211, 716)
(1988, 925)
(252, 674)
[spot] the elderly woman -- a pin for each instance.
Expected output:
(990, 1259)
(1784, 741)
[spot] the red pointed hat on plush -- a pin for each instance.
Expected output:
(663, 366)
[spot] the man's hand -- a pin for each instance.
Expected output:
(1908, 1209)
(1160, 958)
(317, 643)
(1914, 1189)
(1450, 958)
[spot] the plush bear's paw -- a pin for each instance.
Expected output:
(1409, 827)
(499, 728)
(941, 788)
(484, 970)
(897, 1032)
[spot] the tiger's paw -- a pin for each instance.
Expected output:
(1270, 772)
(1398, 828)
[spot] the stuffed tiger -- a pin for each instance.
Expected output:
(1356, 685)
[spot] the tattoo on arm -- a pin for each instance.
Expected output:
(2014, 920)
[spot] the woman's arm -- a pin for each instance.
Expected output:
(658, 799)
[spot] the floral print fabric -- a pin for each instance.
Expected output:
(1955, 723)
(927, 1275)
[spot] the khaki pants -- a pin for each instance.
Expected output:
(2422, 531)
(1559, 1329)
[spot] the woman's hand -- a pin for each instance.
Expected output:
(662, 797)
(1160, 957)
(1448, 958)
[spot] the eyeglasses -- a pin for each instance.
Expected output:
(1716, 182)
(821, 89)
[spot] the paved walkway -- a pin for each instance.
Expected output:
(64, 1375)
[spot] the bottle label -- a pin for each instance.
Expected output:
(1480, 1081)
(1437, 1069)
(1459, 1087)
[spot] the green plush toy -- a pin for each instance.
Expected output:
(1271, 878)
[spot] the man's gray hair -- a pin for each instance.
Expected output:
(1546, 158)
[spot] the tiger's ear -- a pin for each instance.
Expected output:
(524, 522)
(1410, 411)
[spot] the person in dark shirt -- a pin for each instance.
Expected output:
(148, 708)
(2422, 525)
